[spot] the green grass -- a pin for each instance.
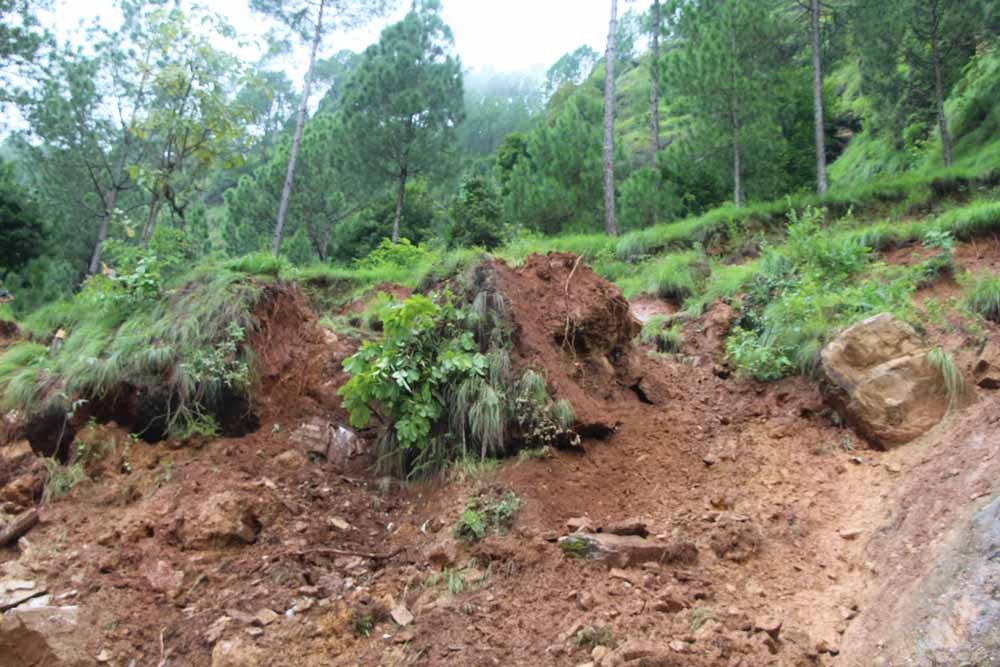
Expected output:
(61, 479)
(186, 346)
(952, 377)
(665, 339)
(981, 296)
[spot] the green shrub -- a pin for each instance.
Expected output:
(399, 255)
(426, 347)
(818, 281)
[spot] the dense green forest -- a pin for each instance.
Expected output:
(152, 147)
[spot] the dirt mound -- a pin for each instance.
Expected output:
(576, 329)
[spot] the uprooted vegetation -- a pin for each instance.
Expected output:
(163, 360)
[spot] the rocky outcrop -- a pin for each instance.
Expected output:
(881, 380)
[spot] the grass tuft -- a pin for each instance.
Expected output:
(953, 382)
(982, 296)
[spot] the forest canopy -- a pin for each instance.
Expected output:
(155, 131)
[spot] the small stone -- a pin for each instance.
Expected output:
(236, 653)
(677, 646)
(104, 656)
(599, 653)
(401, 615)
(894, 468)
(617, 573)
(302, 605)
(769, 624)
(254, 631)
(217, 629)
(710, 460)
(339, 523)
(580, 524)
(849, 533)
(628, 527)
(585, 601)
(266, 616)
(291, 459)
(827, 646)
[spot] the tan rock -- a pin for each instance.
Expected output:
(880, 379)
(163, 578)
(626, 550)
(220, 520)
(237, 653)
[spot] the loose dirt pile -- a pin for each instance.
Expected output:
(744, 528)
(577, 330)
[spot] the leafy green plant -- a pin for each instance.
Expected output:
(425, 347)
(818, 281)
(488, 511)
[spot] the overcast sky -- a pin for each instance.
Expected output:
(510, 35)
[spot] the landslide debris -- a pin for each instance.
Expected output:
(577, 329)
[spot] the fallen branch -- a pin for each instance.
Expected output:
(18, 527)
(330, 551)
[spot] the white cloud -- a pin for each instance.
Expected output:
(511, 35)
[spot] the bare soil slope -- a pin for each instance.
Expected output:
(811, 548)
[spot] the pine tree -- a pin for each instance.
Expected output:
(404, 102)
(610, 221)
(724, 66)
(313, 21)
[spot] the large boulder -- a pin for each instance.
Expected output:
(879, 377)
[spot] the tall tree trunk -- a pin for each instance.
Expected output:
(737, 163)
(654, 85)
(939, 87)
(102, 234)
(154, 210)
(734, 115)
(821, 180)
(610, 221)
(300, 121)
(400, 198)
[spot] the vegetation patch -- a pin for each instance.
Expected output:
(982, 297)
(815, 283)
(441, 384)
(180, 344)
(665, 339)
(491, 511)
